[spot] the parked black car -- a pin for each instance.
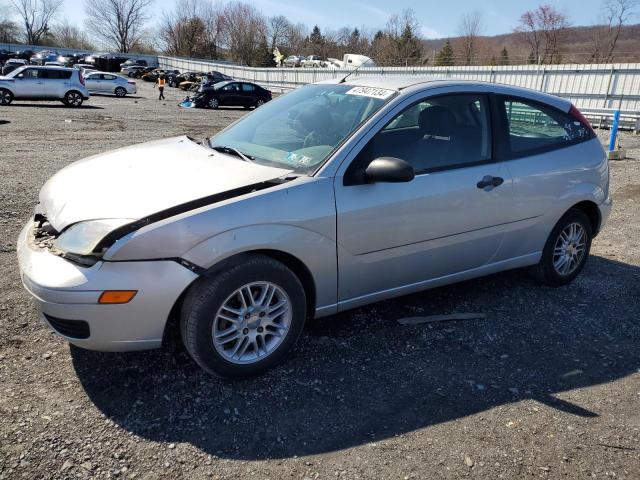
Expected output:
(72, 58)
(5, 55)
(231, 94)
(134, 63)
(11, 64)
(153, 75)
(175, 79)
(215, 77)
(139, 72)
(24, 54)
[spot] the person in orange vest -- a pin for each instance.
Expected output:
(160, 82)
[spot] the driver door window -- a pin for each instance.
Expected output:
(441, 133)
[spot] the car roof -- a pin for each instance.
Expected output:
(412, 84)
(49, 67)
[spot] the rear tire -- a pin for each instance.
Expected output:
(6, 97)
(73, 99)
(566, 250)
(259, 103)
(120, 92)
(214, 306)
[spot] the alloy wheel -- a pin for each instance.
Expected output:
(252, 322)
(569, 249)
(259, 103)
(5, 97)
(120, 92)
(74, 99)
(213, 103)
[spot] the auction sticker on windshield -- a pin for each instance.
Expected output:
(381, 93)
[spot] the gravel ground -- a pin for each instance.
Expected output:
(547, 386)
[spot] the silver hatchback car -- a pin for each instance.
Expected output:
(44, 83)
(333, 196)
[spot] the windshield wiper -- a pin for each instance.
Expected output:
(234, 151)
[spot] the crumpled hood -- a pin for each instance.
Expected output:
(136, 181)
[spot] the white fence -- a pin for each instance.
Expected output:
(610, 86)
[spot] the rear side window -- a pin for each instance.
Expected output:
(247, 87)
(533, 127)
(56, 74)
(108, 77)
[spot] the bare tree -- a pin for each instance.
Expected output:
(36, 17)
(70, 36)
(616, 13)
(543, 29)
(470, 28)
(9, 31)
(245, 33)
(279, 31)
(117, 23)
(183, 30)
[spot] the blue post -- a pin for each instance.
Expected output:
(614, 131)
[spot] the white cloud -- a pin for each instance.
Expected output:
(429, 32)
(379, 12)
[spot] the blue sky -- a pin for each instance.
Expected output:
(437, 17)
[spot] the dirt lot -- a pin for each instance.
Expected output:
(547, 386)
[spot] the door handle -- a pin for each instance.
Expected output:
(489, 181)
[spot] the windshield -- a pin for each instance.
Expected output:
(301, 129)
(16, 72)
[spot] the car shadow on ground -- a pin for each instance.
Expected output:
(108, 95)
(51, 105)
(360, 376)
(4, 122)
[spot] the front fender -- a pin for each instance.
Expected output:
(317, 252)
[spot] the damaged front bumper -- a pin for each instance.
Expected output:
(66, 294)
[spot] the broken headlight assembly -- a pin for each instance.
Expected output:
(83, 237)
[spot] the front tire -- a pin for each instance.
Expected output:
(6, 97)
(73, 99)
(566, 250)
(213, 103)
(245, 319)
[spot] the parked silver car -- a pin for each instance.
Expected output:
(44, 83)
(104, 82)
(335, 195)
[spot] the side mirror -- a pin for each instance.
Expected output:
(20, 76)
(389, 170)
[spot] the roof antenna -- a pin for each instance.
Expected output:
(354, 70)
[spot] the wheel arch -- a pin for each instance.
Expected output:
(591, 210)
(297, 266)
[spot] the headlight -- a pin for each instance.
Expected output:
(83, 237)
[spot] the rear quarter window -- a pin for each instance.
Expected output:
(57, 74)
(533, 127)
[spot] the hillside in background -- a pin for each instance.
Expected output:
(577, 46)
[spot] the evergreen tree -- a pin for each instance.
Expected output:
(444, 58)
(316, 40)
(504, 56)
(409, 46)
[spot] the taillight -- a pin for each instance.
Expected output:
(576, 115)
(131, 82)
(80, 77)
